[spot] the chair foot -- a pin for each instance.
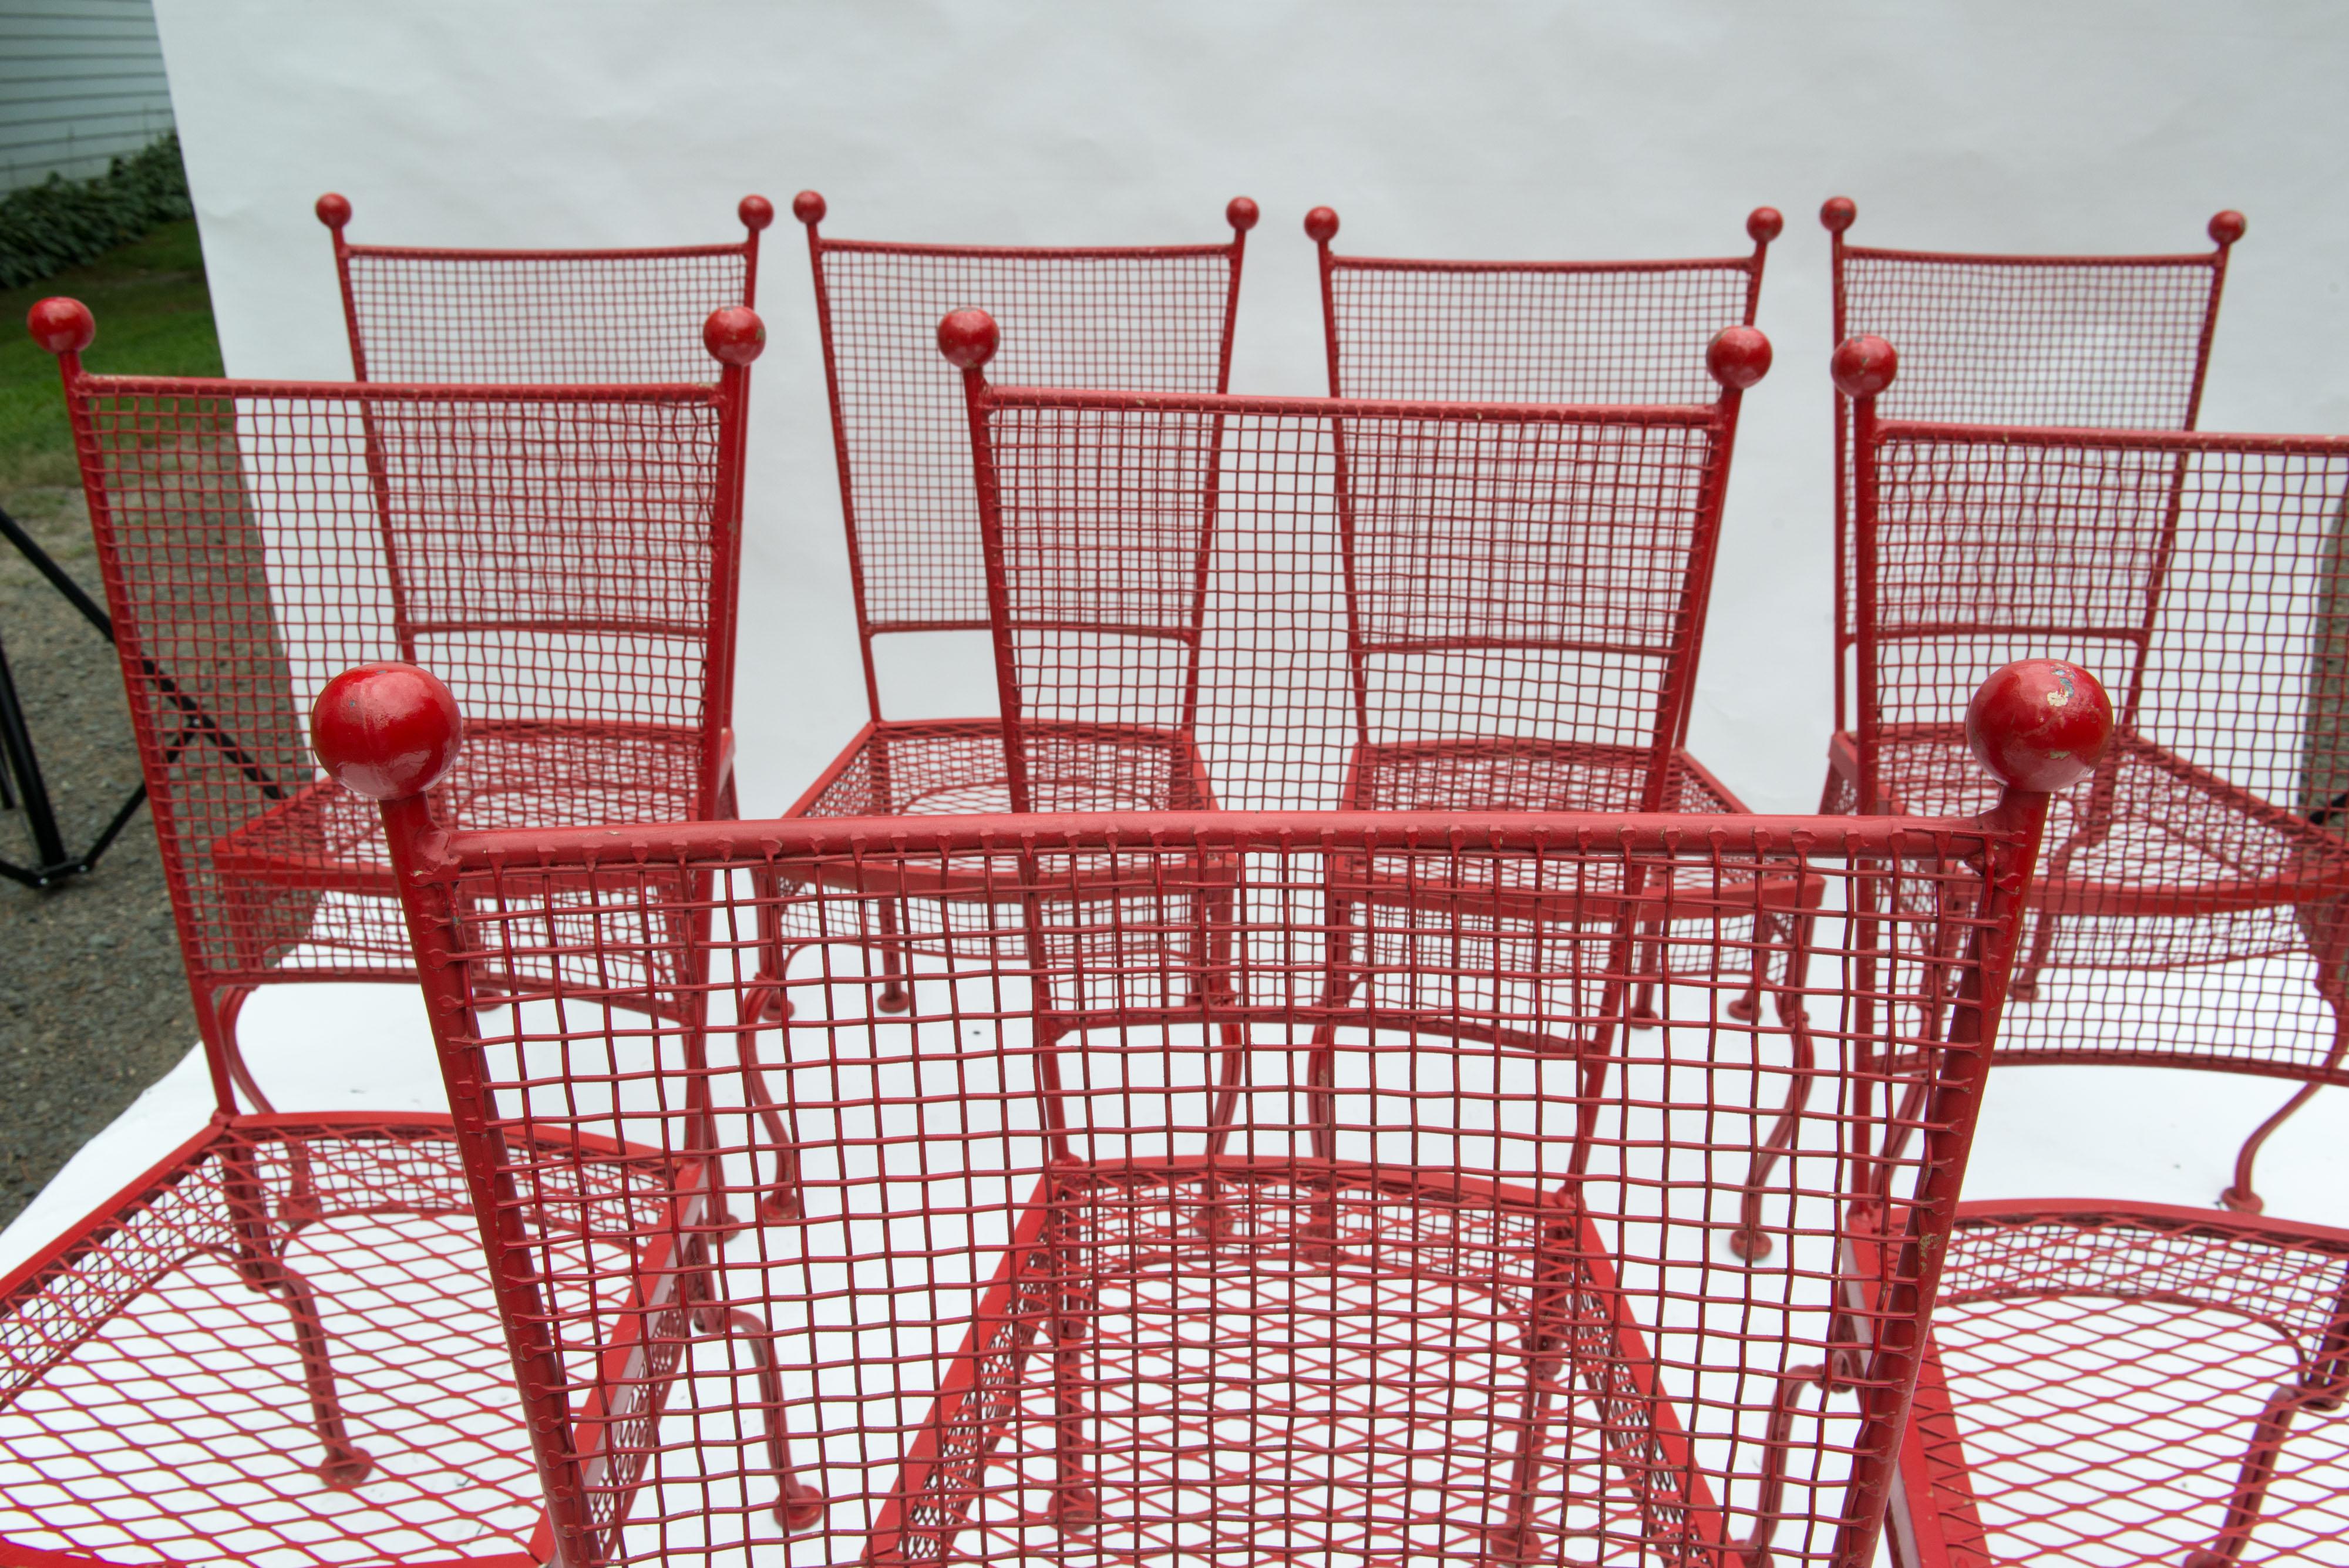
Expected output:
(772, 1006)
(1749, 1244)
(1745, 1009)
(1076, 1510)
(802, 1506)
(1642, 1016)
(895, 998)
(2237, 1200)
(778, 1205)
(345, 1467)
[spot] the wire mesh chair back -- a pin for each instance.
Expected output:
(2193, 908)
(2088, 342)
(1325, 603)
(568, 556)
(1088, 1259)
(426, 313)
(1153, 316)
(1531, 332)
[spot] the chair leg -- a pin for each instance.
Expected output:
(2241, 1196)
(1642, 1013)
(2251, 1482)
(780, 1200)
(798, 1505)
(1749, 1240)
(894, 996)
(1753, 1552)
(300, 1206)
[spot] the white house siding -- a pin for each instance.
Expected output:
(81, 82)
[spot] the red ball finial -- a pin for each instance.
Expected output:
(1322, 225)
(2040, 723)
(2227, 227)
(756, 212)
(1738, 357)
(386, 731)
(1837, 213)
(808, 207)
(1764, 225)
(333, 209)
(734, 334)
(1863, 367)
(968, 338)
(61, 326)
(1241, 213)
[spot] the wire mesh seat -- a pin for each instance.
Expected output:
(2121, 1385)
(277, 1346)
(427, 313)
(2115, 1384)
(1157, 316)
(1063, 1284)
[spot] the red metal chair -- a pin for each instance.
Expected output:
(1530, 331)
(428, 313)
(1638, 332)
(1069, 1298)
(2192, 914)
(1155, 317)
(1343, 604)
(277, 1343)
(2119, 1383)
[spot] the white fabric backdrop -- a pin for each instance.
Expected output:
(1502, 130)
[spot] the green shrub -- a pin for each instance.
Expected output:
(62, 222)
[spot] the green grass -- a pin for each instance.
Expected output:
(154, 318)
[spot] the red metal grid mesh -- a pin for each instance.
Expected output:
(558, 558)
(1156, 318)
(154, 1407)
(2092, 342)
(2156, 1388)
(575, 317)
(1344, 604)
(1532, 332)
(2192, 897)
(1256, 604)
(1158, 1225)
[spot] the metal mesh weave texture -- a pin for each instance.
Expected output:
(2092, 342)
(1355, 604)
(578, 317)
(553, 558)
(2113, 1385)
(1533, 332)
(2193, 890)
(1158, 1225)
(1158, 319)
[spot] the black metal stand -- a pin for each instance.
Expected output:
(17, 759)
(20, 766)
